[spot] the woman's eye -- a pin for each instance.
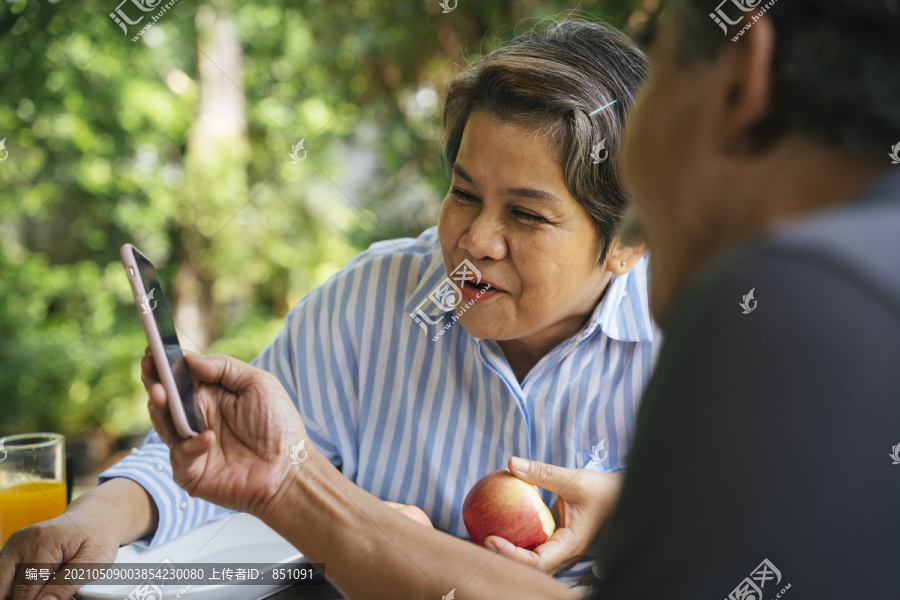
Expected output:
(530, 217)
(461, 195)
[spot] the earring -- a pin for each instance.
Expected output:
(623, 264)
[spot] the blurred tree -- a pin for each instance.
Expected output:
(179, 142)
(218, 152)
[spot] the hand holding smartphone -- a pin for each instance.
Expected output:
(164, 346)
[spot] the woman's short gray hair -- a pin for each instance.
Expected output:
(552, 78)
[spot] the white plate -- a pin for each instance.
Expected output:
(237, 538)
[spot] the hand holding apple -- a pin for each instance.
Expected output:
(501, 504)
(586, 500)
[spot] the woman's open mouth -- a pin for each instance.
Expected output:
(478, 292)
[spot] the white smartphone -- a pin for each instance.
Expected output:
(164, 346)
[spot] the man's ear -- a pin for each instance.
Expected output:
(746, 76)
(623, 257)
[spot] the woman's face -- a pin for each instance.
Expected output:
(509, 213)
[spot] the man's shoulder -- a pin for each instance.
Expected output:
(766, 429)
(856, 241)
(815, 300)
(843, 258)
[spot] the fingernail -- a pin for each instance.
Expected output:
(520, 464)
(51, 597)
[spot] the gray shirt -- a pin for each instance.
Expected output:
(766, 461)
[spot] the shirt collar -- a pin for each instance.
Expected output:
(622, 314)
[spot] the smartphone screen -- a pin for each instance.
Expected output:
(155, 302)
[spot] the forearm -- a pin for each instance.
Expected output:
(125, 506)
(369, 550)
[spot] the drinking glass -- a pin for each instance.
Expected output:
(32, 480)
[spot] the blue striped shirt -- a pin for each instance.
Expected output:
(418, 418)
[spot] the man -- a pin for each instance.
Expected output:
(760, 170)
(760, 467)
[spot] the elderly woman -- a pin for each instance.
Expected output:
(519, 326)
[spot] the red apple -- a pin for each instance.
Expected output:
(504, 505)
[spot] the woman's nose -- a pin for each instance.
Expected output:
(485, 238)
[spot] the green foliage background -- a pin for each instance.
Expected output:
(98, 133)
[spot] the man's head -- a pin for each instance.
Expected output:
(729, 137)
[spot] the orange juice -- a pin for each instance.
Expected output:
(25, 504)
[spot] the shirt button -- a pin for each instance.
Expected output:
(159, 467)
(134, 450)
(183, 505)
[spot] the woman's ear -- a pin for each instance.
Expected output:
(623, 257)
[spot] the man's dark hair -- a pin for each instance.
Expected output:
(836, 67)
(552, 78)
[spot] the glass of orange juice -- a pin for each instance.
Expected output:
(32, 480)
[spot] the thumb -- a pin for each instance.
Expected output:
(198, 445)
(549, 477)
(221, 369)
